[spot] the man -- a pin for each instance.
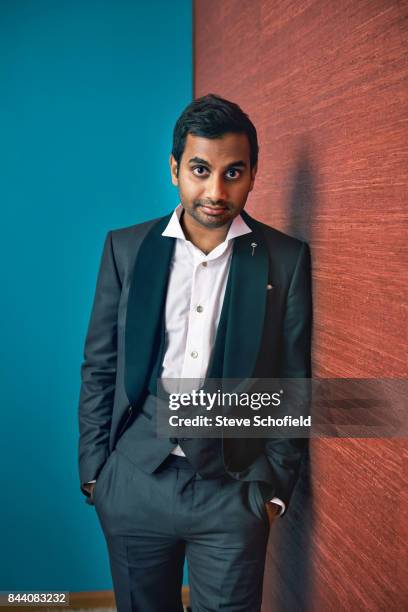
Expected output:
(207, 291)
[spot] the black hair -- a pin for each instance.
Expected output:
(211, 117)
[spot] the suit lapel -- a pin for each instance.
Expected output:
(240, 328)
(147, 293)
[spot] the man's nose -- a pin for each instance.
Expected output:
(217, 189)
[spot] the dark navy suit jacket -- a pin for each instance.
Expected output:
(263, 332)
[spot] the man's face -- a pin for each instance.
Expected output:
(214, 178)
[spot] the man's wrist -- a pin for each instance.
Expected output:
(88, 486)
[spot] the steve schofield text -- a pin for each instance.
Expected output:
(224, 421)
(203, 413)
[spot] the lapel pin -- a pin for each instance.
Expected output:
(269, 287)
(253, 245)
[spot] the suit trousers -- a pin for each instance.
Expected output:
(151, 522)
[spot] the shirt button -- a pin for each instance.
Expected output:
(194, 354)
(199, 309)
(204, 264)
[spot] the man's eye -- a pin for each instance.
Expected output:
(199, 170)
(236, 173)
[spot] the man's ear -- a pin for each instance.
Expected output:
(173, 169)
(253, 174)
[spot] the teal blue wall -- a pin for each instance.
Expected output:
(89, 93)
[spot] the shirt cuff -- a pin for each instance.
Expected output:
(279, 502)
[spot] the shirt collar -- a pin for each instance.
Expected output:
(173, 229)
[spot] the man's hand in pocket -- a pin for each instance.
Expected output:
(273, 510)
(90, 488)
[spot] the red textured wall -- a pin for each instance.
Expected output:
(326, 85)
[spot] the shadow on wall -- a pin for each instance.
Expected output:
(289, 564)
(301, 201)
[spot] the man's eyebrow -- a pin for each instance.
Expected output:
(198, 160)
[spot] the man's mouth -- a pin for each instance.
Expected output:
(213, 210)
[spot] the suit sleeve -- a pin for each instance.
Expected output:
(98, 371)
(285, 455)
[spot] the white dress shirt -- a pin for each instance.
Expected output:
(195, 295)
(194, 300)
